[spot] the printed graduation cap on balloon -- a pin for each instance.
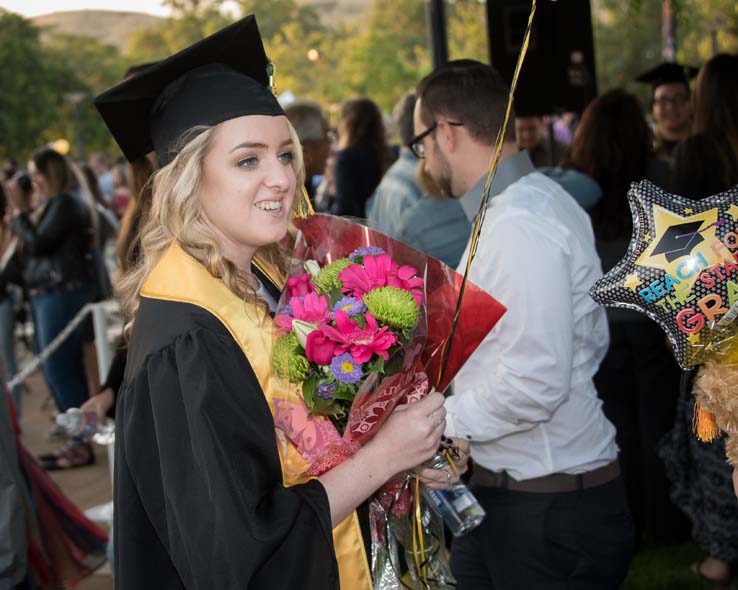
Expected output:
(222, 77)
(681, 269)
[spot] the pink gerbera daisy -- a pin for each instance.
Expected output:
(362, 343)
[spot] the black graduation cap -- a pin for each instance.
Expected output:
(222, 77)
(667, 73)
(136, 69)
(679, 240)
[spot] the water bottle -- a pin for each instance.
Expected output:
(456, 504)
(85, 425)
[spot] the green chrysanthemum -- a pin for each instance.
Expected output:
(327, 278)
(394, 307)
(288, 360)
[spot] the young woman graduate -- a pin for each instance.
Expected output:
(205, 493)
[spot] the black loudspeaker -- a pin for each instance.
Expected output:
(559, 69)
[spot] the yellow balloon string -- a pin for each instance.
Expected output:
(452, 464)
(479, 221)
(418, 544)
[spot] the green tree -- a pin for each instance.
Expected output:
(308, 63)
(390, 55)
(706, 27)
(192, 20)
(273, 15)
(88, 67)
(29, 101)
(467, 30)
(627, 41)
(628, 36)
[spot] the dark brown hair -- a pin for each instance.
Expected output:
(361, 122)
(3, 202)
(469, 92)
(703, 166)
(613, 145)
(716, 101)
(128, 246)
(56, 169)
(93, 184)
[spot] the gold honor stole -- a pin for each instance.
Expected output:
(179, 277)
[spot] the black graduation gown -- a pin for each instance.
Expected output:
(198, 485)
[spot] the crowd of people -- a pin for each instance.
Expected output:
(577, 420)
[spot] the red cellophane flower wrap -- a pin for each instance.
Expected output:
(411, 360)
(325, 239)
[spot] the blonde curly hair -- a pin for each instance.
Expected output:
(175, 215)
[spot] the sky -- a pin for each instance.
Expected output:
(37, 7)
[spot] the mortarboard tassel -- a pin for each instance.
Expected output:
(271, 70)
(703, 423)
(304, 206)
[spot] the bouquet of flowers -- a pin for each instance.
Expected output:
(345, 323)
(364, 324)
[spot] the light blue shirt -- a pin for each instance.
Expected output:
(437, 227)
(396, 192)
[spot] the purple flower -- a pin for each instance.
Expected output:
(326, 390)
(345, 368)
(365, 251)
(351, 306)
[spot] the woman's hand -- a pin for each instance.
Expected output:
(412, 433)
(18, 201)
(409, 437)
(99, 404)
(440, 479)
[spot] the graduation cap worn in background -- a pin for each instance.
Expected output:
(678, 240)
(222, 77)
(668, 73)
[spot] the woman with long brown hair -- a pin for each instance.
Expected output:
(58, 267)
(363, 156)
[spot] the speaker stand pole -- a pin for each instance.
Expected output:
(435, 16)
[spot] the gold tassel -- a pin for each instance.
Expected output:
(271, 71)
(704, 424)
(304, 207)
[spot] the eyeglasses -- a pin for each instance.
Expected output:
(675, 101)
(416, 144)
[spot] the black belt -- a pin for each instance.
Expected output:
(554, 483)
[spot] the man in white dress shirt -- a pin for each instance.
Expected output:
(545, 458)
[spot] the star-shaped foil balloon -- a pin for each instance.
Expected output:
(681, 269)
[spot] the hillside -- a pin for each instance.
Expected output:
(107, 26)
(115, 27)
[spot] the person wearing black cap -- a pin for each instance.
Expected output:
(670, 106)
(205, 497)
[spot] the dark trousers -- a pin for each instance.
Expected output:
(638, 383)
(579, 540)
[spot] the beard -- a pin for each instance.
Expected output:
(444, 175)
